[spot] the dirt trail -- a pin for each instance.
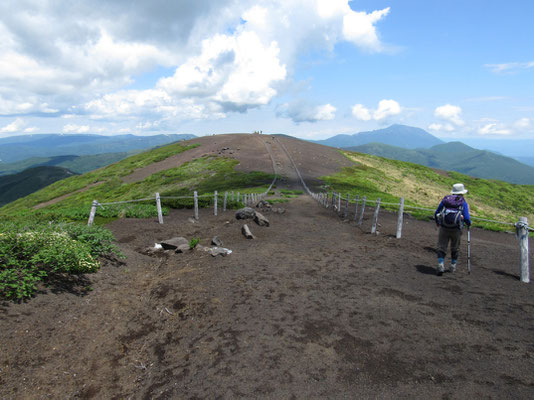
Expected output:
(313, 308)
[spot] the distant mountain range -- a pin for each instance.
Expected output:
(24, 183)
(17, 148)
(456, 156)
(407, 137)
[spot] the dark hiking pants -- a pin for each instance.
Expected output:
(446, 235)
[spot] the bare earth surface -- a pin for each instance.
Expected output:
(314, 307)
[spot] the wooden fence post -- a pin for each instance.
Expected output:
(339, 203)
(195, 196)
(375, 217)
(238, 197)
(158, 206)
(346, 214)
(232, 195)
(215, 198)
(333, 201)
(92, 213)
(225, 201)
(364, 201)
(400, 218)
(522, 235)
(356, 200)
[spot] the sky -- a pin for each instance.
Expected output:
(307, 68)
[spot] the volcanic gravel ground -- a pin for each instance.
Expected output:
(314, 307)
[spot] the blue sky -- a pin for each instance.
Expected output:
(308, 68)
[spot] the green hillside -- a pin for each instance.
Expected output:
(22, 184)
(456, 156)
(204, 174)
(375, 176)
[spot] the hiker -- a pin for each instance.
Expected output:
(451, 215)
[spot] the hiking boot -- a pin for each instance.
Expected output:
(452, 268)
(441, 269)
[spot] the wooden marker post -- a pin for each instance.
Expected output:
(232, 195)
(215, 198)
(92, 213)
(375, 217)
(346, 214)
(364, 201)
(225, 201)
(195, 196)
(356, 201)
(238, 197)
(400, 218)
(522, 235)
(158, 206)
(339, 203)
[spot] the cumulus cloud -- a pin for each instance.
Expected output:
(73, 128)
(72, 58)
(494, 129)
(359, 111)
(441, 127)
(16, 126)
(450, 113)
(303, 111)
(385, 109)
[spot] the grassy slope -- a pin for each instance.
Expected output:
(375, 176)
(204, 174)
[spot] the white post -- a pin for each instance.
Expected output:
(345, 215)
(522, 235)
(400, 218)
(195, 195)
(215, 198)
(92, 213)
(238, 197)
(333, 201)
(375, 218)
(158, 206)
(339, 202)
(225, 201)
(356, 200)
(232, 195)
(364, 201)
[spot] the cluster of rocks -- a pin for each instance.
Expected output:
(250, 213)
(265, 206)
(180, 244)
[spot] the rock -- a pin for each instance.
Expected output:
(260, 219)
(263, 204)
(192, 220)
(199, 247)
(172, 244)
(245, 213)
(183, 248)
(278, 210)
(216, 241)
(219, 251)
(247, 233)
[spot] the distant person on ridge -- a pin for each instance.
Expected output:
(451, 215)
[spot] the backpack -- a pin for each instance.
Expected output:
(451, 214)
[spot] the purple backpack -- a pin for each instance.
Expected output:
(451, 214)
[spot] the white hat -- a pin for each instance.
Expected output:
(458, 188)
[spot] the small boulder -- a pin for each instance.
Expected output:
(172, 244)
(245, 213)
(182, 248)
(263, 204)
(260, 219)
(192, 220)
(216, 241)
(245, 230)
(219, 251)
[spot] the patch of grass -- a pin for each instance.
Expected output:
(421, 186)
(193, 243)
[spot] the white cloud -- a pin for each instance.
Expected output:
(360, 112)
(441, 127)
(450, 113)
(68, 58)
(73, 128)
(386, 108)
(303, 111)
(494, 129)
(513, 67)
(16, 126)
(523, 123)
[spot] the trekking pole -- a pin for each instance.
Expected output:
(468, 249)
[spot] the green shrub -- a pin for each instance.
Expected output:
(193, 243)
